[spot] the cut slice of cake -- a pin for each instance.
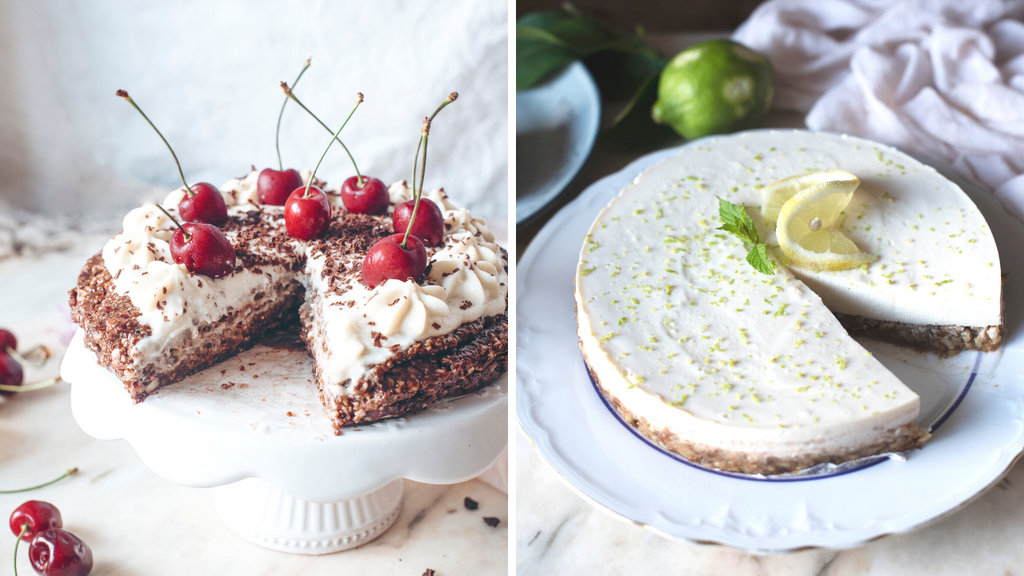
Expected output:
(377, 353)
(741, 371)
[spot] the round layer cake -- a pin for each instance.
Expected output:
(380, 352)
(746, 372)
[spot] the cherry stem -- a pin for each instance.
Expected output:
(24, 361)
(418, 192)
(176, 223)
(277, 135)
(288, 91)
(29, 388)
(124, 94)
(359, 100)
(70, 472)
(24, 528)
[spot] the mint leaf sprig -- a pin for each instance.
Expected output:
(736, 221)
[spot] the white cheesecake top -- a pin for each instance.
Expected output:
(669, 307)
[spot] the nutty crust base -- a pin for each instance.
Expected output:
(466, 359)
(943, 340)
(894, 440)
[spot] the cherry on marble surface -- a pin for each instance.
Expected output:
(60, 553)
(11, 373)
(7, 340)
(38, 515)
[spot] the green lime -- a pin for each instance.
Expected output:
(714, 87)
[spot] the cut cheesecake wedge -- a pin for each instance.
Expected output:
(745, 372)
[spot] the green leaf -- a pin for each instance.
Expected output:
(758, 258)
(735, 220)
(633, 129)
(547, 41)
(536, 59)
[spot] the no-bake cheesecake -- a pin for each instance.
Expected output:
(747, 372)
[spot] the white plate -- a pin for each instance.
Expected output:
(556, 125)
(981, 434)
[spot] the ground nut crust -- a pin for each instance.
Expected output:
(943, 340)
(466, 359)
(110, 322)
(894, 440)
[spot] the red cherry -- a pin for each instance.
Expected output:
(60, 553)
(274, 186)
(38, 515)
(206, 204)
(11, 373)
(388, 260)
(429, 223)
(206, 251)
(7, 340)
(370, 198)
(307, 217)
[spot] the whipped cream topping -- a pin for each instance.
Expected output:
(362, 327)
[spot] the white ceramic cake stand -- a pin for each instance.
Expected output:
(252, 426)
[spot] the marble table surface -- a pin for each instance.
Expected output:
(138, 523)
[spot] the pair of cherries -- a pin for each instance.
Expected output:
(52, 551)
(307, 211)
(198, 243)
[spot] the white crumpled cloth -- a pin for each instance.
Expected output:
(943, 78)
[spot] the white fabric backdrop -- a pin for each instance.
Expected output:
(940, 77)
(207, 74)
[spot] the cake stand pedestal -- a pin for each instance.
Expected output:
(253, 428)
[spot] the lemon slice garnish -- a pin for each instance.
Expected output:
(774, 196)
(806, 226)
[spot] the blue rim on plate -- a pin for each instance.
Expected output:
(868, 462)
(558, 122)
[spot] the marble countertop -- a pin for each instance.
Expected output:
(132, 518)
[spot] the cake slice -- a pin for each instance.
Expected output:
(745, 372)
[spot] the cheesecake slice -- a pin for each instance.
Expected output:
(740, 371)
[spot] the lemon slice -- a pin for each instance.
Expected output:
(775, 195)
(806, 232)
